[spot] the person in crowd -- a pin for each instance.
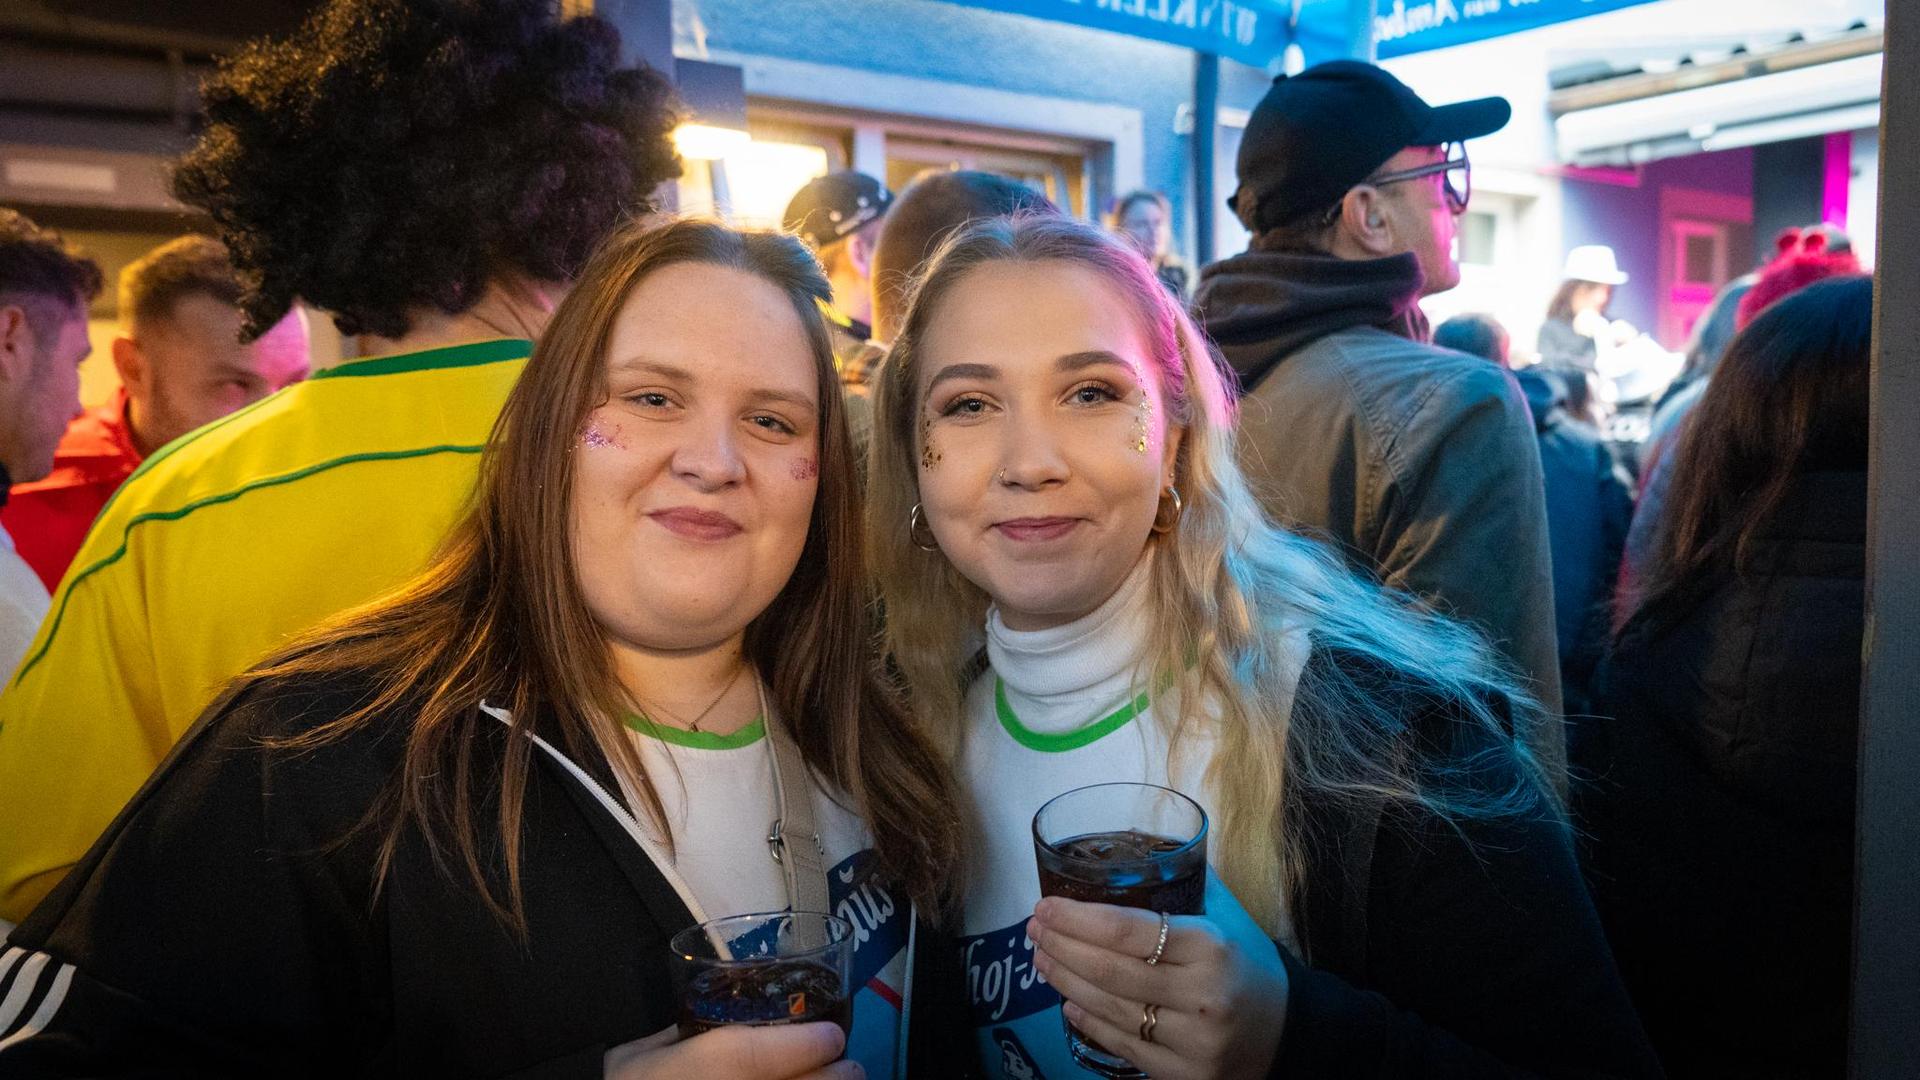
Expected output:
(1802, 257)
(340, 167)
(1577, 325)
(1589, 502)
(840, 214)
(45, 287)
(1721, 821)
(1419, 462)
(1476, 335)
(930, 209)
(1145, 218)
(1080, 588)
(182, 365)
(1716, 326)
(450, 834)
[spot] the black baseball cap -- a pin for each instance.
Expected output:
(1318, 133)
(834, 205)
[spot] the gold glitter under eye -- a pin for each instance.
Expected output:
(929, 457)
(1143, 426)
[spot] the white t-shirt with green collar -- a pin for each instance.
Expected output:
(719, 798)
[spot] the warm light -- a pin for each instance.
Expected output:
(707, 143)
(762, 177)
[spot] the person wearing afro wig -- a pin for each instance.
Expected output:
(431, 173)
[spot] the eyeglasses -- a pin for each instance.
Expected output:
(1458, 173)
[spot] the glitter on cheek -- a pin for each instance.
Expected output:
(803, 468)
(929, 457)
(595, 438)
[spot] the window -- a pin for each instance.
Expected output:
(1477, 229)
(1059, 177)
(792, 144)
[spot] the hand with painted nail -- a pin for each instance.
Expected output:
(787, 1052)
(1219, 990)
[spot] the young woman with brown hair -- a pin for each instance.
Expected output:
(452, 833)
(1081, 588)
(1726, 749)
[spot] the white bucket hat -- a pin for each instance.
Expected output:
(1594, 262)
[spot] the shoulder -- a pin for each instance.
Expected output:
(270, 733)
(1398, 382)
(1446, 738)
(361, 410)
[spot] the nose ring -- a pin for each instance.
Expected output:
(1002, 476)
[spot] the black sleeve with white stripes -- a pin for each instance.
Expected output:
(212, 930)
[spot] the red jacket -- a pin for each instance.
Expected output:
(49, 518)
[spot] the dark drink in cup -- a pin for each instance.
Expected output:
(772, 968)
(783, 992)
(1128, 869)
(1131, 845)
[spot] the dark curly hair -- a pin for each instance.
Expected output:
(35, 263)
(403, 153)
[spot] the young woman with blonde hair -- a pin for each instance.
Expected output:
(452, 833)
(1080, 588)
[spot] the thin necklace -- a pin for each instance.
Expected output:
(694, 725)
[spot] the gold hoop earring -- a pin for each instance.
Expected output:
(1162, 521)
(917, 528)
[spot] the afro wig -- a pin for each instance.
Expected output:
(396, 154)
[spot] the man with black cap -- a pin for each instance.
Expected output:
(840, 214)
(1420, 462)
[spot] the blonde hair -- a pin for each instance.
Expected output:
(1228, 588)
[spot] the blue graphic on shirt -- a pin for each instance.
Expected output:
(1016, 1015)
(880, 925)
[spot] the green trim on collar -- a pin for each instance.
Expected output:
(1070, 740)
(700, 740)
(452, 356)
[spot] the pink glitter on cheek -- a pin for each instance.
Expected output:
(596, 438)
(803, 468)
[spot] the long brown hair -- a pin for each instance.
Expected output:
(1789, 397)
(1228, 590)
(500, 615)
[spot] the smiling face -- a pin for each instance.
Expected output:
(1044, 442)
(696, 476)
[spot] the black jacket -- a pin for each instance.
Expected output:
(1589, 507)
(1721, 816)
(218, 928)
(1436, 948)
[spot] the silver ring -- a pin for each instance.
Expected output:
(1160, 947)
(1149, 1016)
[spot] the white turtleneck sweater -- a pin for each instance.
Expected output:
(1056, 709)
